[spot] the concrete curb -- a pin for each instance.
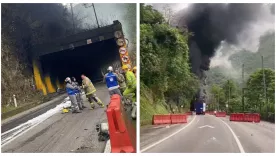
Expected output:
(17, 116)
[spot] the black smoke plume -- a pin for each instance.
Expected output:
(211, 24)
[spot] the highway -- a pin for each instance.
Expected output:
(208, 134)
(62, 133)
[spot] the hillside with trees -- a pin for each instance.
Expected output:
(227, 90)
(165, 68)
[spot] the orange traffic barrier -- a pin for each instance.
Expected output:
(122, 133)
(162, 119)
(221, 114)
(178, 118)
(236, 117)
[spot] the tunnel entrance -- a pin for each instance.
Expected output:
(89, 60)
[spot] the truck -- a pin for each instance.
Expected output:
(200, 108)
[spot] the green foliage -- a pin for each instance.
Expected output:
(254, 97)
(149, 15)
(255, 88)
(164, 59)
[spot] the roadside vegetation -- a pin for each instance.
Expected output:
(166, 83)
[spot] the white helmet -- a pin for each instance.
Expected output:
(67, 79)
(110, 68)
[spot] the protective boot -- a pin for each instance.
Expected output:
(92, 106)
(133, 111)
(99, 102)
(76, 111)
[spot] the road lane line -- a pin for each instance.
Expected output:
(158, 142)
(235, 136)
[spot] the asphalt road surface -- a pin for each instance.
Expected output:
(7, 126)
(209, 134)
(64, 132)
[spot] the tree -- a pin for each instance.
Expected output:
(148, 15)
(255, 90)
(218, 97)
(164, 59)
(168, 13)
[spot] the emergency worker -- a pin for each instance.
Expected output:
(71, 91)
(90, 92)
(122, 80)
(78, 93)
(130, 82)
(111, 79)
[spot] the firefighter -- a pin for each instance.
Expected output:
(130, 82)
(78, 93)
(90, 92)
(111, 79)
(122, 80)
(71, 91)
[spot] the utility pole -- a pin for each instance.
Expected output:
(228, 94)
(86, 6)
(95, 15)
(72, 18)
(218, 101)
(242, 87)
(265, 103)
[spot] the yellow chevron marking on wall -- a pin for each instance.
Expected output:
(38, 81)
(50, 86)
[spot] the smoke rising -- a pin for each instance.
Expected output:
(240, 25)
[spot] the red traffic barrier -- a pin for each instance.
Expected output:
(256, 117)
(178, 118)
(252, 117)
(245, 117)
(122, 133)
(221, 114)
(162, 119)
(236, 117)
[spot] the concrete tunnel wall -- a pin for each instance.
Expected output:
(50, 70)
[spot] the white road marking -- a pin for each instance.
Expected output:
(206, 126)
(20, 130)
(197, 120)
(107, 148)
(158, 142)
(235, 136)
